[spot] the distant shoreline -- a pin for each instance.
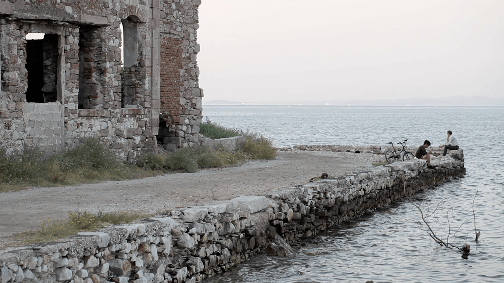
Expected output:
(445, 101)
(350, 105)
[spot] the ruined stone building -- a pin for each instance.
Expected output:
(121, 70)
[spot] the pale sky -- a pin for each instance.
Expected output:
(281, 50)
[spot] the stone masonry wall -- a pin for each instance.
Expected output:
(84, 77)
(190, 244)
(181, 95)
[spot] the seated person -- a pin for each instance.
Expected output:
(451, 143)
(421, 153)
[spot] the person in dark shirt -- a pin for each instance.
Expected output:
(421, 153)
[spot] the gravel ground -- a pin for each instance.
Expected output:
(25, 210)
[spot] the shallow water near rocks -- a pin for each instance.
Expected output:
(390, 244)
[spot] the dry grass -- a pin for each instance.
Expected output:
(90, 162)
(77, 222)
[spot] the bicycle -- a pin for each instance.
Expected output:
(393, 155)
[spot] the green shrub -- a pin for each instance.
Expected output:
(258, 147)
(231, 158)
(92, 162)
(90, 155)
(183, 159)
(151, 161)
(209, 159)
(220, 157)
(84, 221)
(89, 162)
(29, 166)
(216, 131)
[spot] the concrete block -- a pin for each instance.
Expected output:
(193, 214)
(229, 143)
(103, 239)
(217, 208)
(250, 204)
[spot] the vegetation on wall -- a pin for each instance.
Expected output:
(93, 162)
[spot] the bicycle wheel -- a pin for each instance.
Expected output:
(408, 156)
(391, 156)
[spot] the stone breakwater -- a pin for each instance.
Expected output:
(190, 244)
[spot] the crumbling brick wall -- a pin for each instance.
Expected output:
(180, 92)
(84, 88)
(171, 64)
(90, 79)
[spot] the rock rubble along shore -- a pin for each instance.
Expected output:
(189, 244)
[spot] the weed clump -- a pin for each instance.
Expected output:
(88, 162)
(216, 131)
(15, 169)
(93, 162)
(91, 155)
(190, 160)
(151, 161)
(258, 147)
(184, 159)
(77, 222)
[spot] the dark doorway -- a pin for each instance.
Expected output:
(42, 67)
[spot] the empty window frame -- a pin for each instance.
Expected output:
(129, 29)
(42, 67)
(90, 68)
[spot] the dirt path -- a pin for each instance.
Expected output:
(24, 210)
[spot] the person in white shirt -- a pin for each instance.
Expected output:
(451, 143)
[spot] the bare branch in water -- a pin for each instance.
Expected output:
(478, 233)
(449, 227)
(437, 207)
(431, 232)
(465, 249)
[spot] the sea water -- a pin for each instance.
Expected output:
(391, 244)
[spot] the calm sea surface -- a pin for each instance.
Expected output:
(390, 245)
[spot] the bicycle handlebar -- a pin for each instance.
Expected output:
(401, 143)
